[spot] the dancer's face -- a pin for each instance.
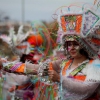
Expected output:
(73, 48)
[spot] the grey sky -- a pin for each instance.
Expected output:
(34, 9)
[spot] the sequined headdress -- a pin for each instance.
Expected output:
(83, 27)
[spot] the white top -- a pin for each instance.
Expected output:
(65, 92)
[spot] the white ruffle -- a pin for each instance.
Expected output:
(93, 71)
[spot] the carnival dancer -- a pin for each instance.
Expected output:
(79, 77)
(29, 49)
(40, 88)
(26, 48)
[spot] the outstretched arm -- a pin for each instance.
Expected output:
(56, 65)
(28, 68)
(54, 74)
(35, 67)
(31, 68)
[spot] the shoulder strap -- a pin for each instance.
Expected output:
(79, 68)
(66, 65)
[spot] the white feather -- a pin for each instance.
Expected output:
(21, 35)
(14, 40)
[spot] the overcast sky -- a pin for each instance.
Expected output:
(34, 9)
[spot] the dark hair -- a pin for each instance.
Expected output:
(82, 51)
(65, 45)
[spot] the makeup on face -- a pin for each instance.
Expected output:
(72, 45)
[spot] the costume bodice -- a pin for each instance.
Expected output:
(66, 72)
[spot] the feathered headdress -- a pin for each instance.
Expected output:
(18, 44)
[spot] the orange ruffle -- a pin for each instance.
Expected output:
(66, 67)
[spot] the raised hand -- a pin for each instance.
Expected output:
(53, 75)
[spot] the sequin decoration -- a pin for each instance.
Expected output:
(90, 19)
(71, 23)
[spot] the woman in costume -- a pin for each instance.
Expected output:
(79, 74)
(79, 77)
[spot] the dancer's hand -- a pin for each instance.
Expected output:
(54, 76)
